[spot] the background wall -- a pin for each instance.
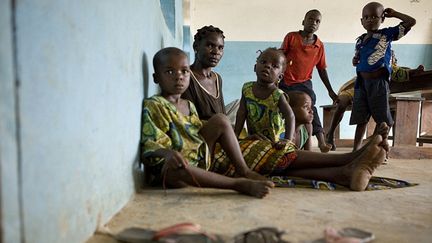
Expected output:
(255, 25)
(70, 125)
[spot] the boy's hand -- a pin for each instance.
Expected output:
(355, 60)
(174, 160)
(389, 12)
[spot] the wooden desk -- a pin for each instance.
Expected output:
(418, 84)
(406, 116)
(405, 113)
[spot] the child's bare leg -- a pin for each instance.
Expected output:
(191, 175)
(355, 174)
(418, 70)
(219, 129)
(344, 102)
(359, 133)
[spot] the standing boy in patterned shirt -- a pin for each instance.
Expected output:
(372, 61)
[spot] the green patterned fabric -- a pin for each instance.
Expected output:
(375, 183)
(163, 127)
(263, 114)
(399, 74)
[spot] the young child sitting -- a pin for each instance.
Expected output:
(177, 149)
(174, 145)
(263, 105)
(268, 158)
(372, 61)
(301, 104)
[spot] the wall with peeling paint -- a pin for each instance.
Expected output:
(83, 69)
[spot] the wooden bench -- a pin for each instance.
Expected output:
(405, 111)
(406, 115)
(425, 127)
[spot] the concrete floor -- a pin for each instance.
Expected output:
(397, 215)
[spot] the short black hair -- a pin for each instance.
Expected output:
(204, 32)
(294, 97)
(312, 11)
(374, 5)
(160, 56)
(278, 51)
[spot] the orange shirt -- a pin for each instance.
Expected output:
(301, 58)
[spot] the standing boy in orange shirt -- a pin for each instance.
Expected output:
(304, 50)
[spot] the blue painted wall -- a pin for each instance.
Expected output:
(84, 68)
(239, 58)
(9, 190)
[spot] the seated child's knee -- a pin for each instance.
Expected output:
(220, 120)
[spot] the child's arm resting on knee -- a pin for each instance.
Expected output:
(171, 158)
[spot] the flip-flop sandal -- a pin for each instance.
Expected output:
(261, 235)
(361, 235)
(179, 233)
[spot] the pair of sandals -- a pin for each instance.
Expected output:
(191, 233)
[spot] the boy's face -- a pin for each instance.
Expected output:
(312, 22)
(210, 50)
(303, 111)
(173, 74)
(372, 17)
(269, 66)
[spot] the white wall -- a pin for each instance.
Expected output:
(270, 20)
(83, 68)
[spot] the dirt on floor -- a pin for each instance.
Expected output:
(395, 215)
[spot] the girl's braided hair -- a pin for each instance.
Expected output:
(278, 51)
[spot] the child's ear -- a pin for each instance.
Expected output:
(155, 78)
(281, 77)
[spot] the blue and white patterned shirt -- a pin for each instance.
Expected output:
(375, 52)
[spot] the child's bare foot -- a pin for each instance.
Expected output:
(330, 141)
(253, 188)
(250, 174)
(325, 147)
(365, 164)
(416, 71)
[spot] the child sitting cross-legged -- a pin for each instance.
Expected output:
(176, 148)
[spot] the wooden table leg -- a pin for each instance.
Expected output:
(406, 122)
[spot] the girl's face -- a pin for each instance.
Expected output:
(210, 50)
(303, 111)
(269, 67)
(173, 75)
